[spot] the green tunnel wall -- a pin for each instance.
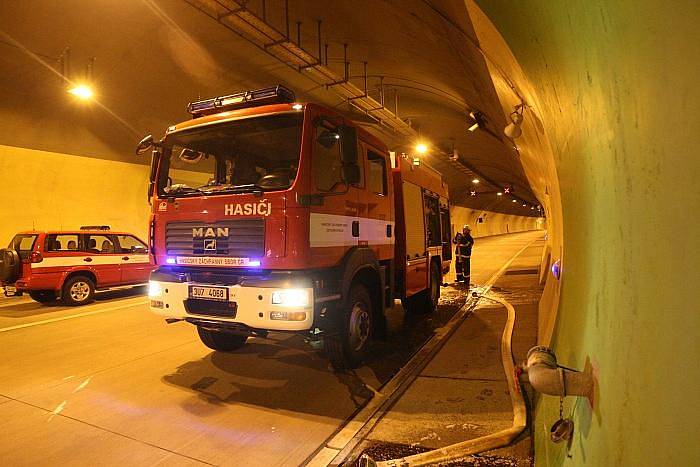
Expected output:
(617, 83)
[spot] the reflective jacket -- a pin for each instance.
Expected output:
(464, 245)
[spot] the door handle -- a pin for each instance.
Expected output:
(355, 228)
(87, 260)
(125, 258)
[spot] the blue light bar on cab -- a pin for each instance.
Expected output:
(274, 95)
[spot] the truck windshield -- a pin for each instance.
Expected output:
(23, 244)
(252, 154)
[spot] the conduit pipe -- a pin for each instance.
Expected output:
(484, 443)
(547, 377)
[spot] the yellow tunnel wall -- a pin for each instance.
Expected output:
(616, 86)
(493, 223)
(48, 190)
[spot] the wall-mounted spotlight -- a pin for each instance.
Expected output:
(476, 119)
(499, 194)
(513, 129)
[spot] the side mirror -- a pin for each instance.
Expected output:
(190, 156)
(351, 174)
(351, 169)
(144, 145)
(328, 139)
(348, 140)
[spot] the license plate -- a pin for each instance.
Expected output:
(209, 293)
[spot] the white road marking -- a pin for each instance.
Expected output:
(79, 315)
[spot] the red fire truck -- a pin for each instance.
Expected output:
(272, 215)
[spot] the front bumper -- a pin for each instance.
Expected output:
(252, 299)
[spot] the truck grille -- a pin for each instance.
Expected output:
(245, 239)
(211, 308)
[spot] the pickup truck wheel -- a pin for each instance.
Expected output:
(222, 341)
(78, 290)
(347, 347)
(43, 296)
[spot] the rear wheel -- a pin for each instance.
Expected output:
(43, 296)
(219, 340)
(78, 290)
(347, 346)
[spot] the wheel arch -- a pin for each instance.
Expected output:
(79, 272)
(361, 266)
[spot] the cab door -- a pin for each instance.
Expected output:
(377, 207)
(102, 257)
(334, 223)
(135, 260)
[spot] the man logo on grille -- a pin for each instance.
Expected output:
(208, 232)
(210, 245)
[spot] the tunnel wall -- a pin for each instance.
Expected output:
(494, 223)
(49, 190)
(616, 92)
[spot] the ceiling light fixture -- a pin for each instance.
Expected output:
(82, 92)
(421, 148)
(513, 129)
(499, 193)
(475, 181)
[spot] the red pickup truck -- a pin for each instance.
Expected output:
(71, 265)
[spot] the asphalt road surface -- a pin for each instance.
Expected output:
(111, 384)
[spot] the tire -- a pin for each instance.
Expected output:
(426, 301)
(434, 286)
(221, 341)
(347, 345)
(10, 265)
(43, 296)
(78, 290)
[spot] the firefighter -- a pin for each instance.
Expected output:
(463, 254)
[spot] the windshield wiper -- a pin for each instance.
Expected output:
(252, 188)
(182, 190)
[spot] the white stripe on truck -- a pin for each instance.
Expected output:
(335, 230)
(97, 260)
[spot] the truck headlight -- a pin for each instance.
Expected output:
(154, 289)
(291, 297)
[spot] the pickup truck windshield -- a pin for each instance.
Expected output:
(252, 154)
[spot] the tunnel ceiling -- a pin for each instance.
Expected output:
(153, 57)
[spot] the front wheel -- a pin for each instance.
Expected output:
(347, 346)
(78, 290)
(219, 340)
(43, 296)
